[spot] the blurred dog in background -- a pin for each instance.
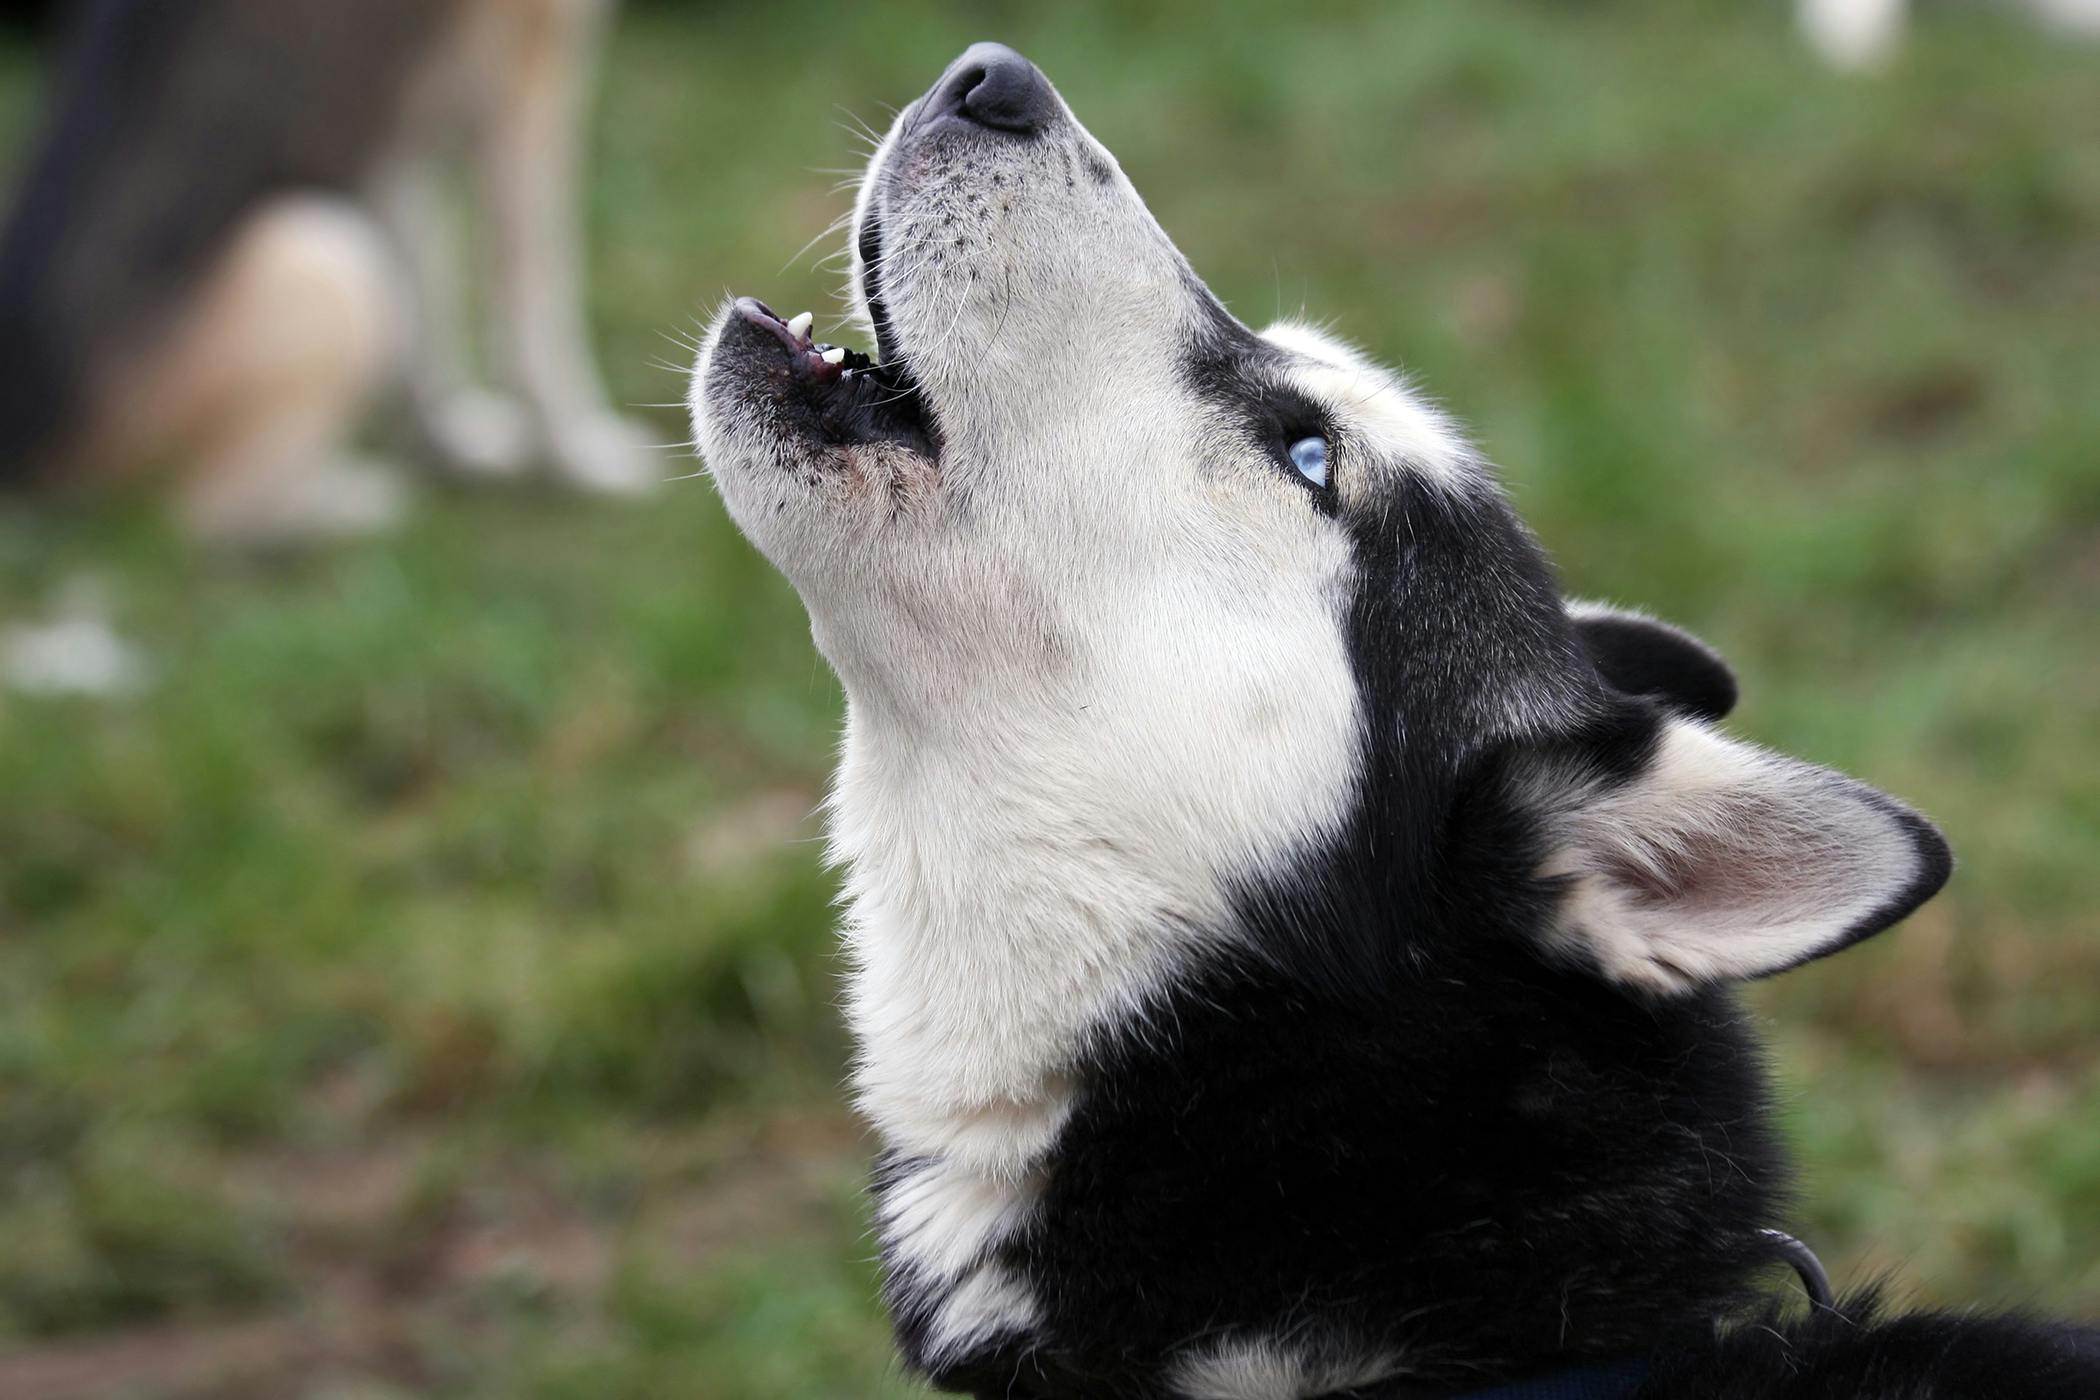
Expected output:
(236, 231)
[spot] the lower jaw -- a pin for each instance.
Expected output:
(844, 397)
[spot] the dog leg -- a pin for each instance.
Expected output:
(259, 388)
(467, 431)
(529, 150)
(1853, 34)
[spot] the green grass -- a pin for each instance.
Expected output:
(425, 988)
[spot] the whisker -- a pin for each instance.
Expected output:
(829, 229)
(865, 129)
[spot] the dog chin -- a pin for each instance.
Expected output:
(811, 445)
(827, 404)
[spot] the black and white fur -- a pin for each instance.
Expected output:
(1290, 945)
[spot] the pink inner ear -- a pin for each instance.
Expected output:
(1724, 862)
(1660, 879)
(1719, 876)
(1743, 852)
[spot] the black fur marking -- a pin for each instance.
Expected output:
(1854, 1352)
(32, 16)
(1396, 1127)
(1395, 1131)
(1643, 657)
(868, 243)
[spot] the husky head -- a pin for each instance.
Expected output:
(1165, 639)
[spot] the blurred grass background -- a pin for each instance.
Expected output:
(425, 988)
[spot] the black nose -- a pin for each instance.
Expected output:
(994, 86)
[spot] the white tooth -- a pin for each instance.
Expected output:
(836, 355)
(799, 326)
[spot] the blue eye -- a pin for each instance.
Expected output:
(1309, 456)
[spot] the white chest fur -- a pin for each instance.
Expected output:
(1020, 877)
(1019, 881)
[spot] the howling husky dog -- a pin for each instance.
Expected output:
(232, 233)
(1291, 946)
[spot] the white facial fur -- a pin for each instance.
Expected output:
(1093, 655)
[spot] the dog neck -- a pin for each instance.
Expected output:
(996, 913)
(1024, 874)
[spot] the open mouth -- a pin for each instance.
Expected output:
(844, 396)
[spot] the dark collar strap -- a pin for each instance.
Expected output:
(1620, 1380)
(1616, 1380)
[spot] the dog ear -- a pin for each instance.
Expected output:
(1716, 860)
(1638, 655)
